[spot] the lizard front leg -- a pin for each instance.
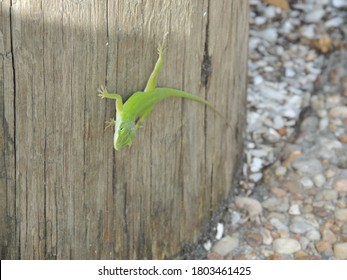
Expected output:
(103, 93)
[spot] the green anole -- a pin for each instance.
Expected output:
(132, 114)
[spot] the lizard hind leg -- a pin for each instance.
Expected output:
(152, 81)
(142, 118)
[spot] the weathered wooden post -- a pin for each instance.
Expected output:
(64, 192)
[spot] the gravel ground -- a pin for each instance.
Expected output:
(291, 202)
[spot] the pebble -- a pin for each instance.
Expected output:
(306, 182)
(308, 166)
(328, 235)
(266, 235)
(235, 218)
(226, 245)
(323, 246)
(314, 16)
(313, 235)
(256, 165)
(269, 34)
(254, 239)
(340, 251)
(220, 230)
(207, 245)
(339, 112)
(334, 22)
(319, 180)
(294, 210)
(286, 245)
(330, 195)
(255, 177)
(278, 224)
(339, 3)
(341, 185)
(341, 214)
(300, 227)
(252, 206)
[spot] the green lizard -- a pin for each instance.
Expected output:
(131, 115)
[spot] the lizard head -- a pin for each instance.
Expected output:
(124, 134)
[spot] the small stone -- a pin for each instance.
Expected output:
(308, 31)
(313, 235)
(319, 180)
(300, 227)
(290, 113)
(286, 245)
(256, 177)
(340, 251)
(278, 191)
(339, 3)
(308, 166)
(235, 218)
(299, 255)
(266, 234)
(267, 253)
(208, 245)
(339, 112)
(225, 246)
(252, 206)
(320, 212)
(280, 171)
(328, 235)
(293, 186)
(342, 138)
(342, 159)
(304, 242)
(289, 72)
(323, 123)
(307, 208)
(283, 207)
(341, 204)
(274, 257)
(306, 182)
(220, 230)
(341, 214)
(294, 210)
(314, 16)
(330, 195)
(271, 203)
(278, 224)
(269, 34)
(256, 164)
(272, 136)
(330, 173)
(341, 185)
(260, 20)
(334, 22)
(323, 245)
(237, 257)
(278, 122)
(254, 239)
(214, 256)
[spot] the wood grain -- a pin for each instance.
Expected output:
(64, 192)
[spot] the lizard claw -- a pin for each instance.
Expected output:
(110, 123)
(102, 90)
